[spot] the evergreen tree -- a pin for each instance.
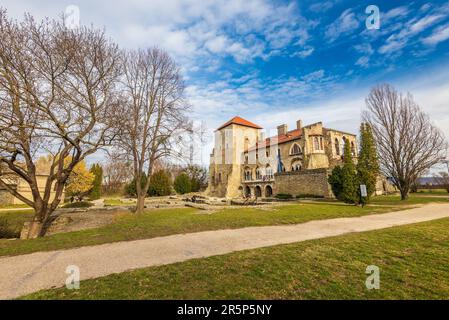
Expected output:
(335, 180)
(349, 179)
(95, 192)
(198, 177)
(368, 163)
(160, 184)
(130, 188)
(182, 184)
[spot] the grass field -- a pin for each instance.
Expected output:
(162, 222)
(13, 206)
(116, 202)
(413, 262)
(154, 223)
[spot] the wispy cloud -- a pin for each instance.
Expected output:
(440, 34)
(345, 24)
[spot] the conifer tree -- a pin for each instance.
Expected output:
(95, 192)
(349, 179)
(368, 163)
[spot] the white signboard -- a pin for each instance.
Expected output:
(363, 191)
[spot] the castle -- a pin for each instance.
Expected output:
(297, 162)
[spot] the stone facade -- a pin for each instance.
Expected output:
(245, 163)
(23, 188)
(304, 182)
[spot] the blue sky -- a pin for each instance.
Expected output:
(275, 62)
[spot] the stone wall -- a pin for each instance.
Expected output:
(312, 182)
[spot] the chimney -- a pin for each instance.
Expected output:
(282, 129)
(299, 124)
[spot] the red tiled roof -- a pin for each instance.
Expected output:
(240, 121)
(291, 135)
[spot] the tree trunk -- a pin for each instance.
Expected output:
(404, 193)
(140, 203)
(38, 226)
(35, 230)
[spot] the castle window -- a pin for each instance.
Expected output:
(343, 146)
(337, 147)
(316, 143)
(267, 152)
(295, 149)
(219, 177)
(321, 143)
(269, 172)
(353, 148)
(296, 166)
(248, 174)
(258, 174)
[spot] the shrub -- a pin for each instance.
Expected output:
(130, 188)
(335, 180)
(182, 184)
(344, 180)
(160, 184)
(307, 195)
(283, 196)
(80, 204)
(6, 231)
(198, 177)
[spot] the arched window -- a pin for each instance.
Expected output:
(343, 143)
(248, 174)
(269, 172)
(296, 149)
(258, 174)
(219, 177)
(296, 166)
(352, 148)
(337, 147)
(316, 143)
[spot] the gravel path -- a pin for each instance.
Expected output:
(20, 275)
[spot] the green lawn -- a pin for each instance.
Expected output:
(116, 202)
(433, 191)
(413, 262)
(414, 199)
(13, 206)
(16, 219)
(164, 222)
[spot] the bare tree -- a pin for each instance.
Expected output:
(57, 95)
(116, 174)
(153, 115)
(407, 142)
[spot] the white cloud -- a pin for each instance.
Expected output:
(322, 6)
(307, 51)
(346, 23)
(439, 35)
(410, 29)
(363, 61)
(395, 12)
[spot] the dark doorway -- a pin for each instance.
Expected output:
(268, 191)
(258, 192)
(247, 191)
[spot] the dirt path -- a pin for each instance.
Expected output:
(24, 274)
